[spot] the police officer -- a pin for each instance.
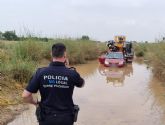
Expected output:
(55, 84)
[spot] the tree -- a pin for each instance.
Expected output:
(163, 38)
(84, 37)
(1, 35)
(10, 35)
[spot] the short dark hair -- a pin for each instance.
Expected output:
(58, 50)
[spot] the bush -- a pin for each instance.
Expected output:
(18, 70)
(84, 37)
(4, 56)
(11, 65)
(22, 70)
(79, 51)
(74, 50)
(19, 59)
(2, 45)
(10, 35)
(1, 35)
(157, 58)
(140, 54)
(140, 49)
(4, 59)
(46, 52)
(29, 50)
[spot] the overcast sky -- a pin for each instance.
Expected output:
(100, 19)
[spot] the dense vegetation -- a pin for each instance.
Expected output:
(20, 58)
(12, 36)
(154, 53)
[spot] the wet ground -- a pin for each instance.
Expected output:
(114, 96)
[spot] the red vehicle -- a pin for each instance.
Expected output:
(112, 59)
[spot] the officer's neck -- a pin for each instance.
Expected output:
(59, 60)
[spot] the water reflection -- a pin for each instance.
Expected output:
(115, 76)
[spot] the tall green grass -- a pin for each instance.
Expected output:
(157, 58)
(18, 60)
(154, 53)
(140, 49)
(79, 51)
(29, 50)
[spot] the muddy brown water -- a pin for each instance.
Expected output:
(114, 96)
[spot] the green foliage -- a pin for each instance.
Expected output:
(102, 47)
(18, 60)
(12, 66)
(4, 56)
(80, 51)
(140, 54)
(21, 70)
(140, 49)
(10, 35)
(1, 35)
(157, 58)
(84, 37)
(154, 53)
(29, 50)
(2, 45)
(44, 39)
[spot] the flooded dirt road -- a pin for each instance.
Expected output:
(117, 96)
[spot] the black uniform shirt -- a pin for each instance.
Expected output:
(56, 84)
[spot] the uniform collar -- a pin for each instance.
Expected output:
(56, 64)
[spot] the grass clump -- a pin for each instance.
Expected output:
(80, 51)
(18, 60)
(28, 50)
(21, 71)
(154, 53)
(4, 56)
(140, 54)
(157, 58)
(140, 49)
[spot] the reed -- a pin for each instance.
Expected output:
(18, 60)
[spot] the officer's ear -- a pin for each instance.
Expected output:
(51, 54)
(65, 56)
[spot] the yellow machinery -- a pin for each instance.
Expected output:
(119, 42)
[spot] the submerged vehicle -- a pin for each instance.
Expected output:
(118, 46)
(112, 59)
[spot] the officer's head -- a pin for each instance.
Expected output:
(58, 50)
